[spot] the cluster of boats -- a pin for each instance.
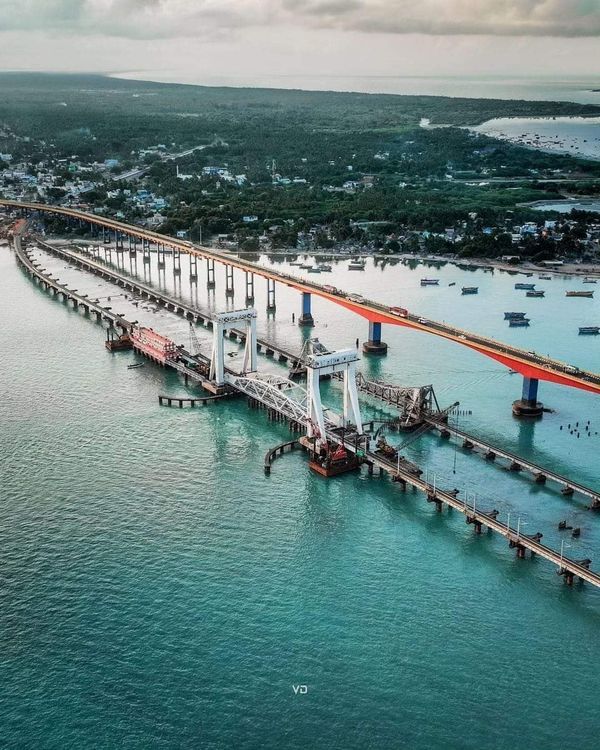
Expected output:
(356, 264)
(465, 289)
(312, 267)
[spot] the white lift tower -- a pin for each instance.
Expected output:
(224, 322)
(319, 365)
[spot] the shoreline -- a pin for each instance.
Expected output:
(569, 269)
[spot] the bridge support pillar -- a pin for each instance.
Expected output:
(229, 290)
(306, 319)
(270, 295)
(528, 405)
(249, 288)
(132, 246)
(193, 268)
(146, 251)
(176, 262)
(375, 345)
(210, 273)
(161, 256)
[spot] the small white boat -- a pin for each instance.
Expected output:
(314, 269)
(324, 267)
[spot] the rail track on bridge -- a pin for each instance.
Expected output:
(529, 364)
(293, 410)
(389, 394)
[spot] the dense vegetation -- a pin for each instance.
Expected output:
(324, 138)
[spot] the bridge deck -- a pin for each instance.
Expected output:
(395, 469)
(508, 532)
(178, 306)
(527, 363)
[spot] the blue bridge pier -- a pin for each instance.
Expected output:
(528, 405)
(306, 318)
(375, 345)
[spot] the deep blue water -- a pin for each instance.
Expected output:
(157, 590)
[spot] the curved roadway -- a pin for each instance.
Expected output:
(529, 364)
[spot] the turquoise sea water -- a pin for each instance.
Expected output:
(157, 590)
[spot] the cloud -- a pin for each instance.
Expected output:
(200, 18)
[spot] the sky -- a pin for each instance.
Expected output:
(203, 40)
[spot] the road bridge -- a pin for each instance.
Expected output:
(532, 366)
(416, 404)
(285, 398)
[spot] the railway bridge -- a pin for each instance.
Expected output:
(533, 367)
(327, 434)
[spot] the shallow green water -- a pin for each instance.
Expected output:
(157, 590)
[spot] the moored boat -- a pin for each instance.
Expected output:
(470, 290)
(589, 330)
(324, 267)
(513, 315)
(518, 322)
(579, 294)
(357, 264)
(522, 285)
(430, 282)
(535, 293)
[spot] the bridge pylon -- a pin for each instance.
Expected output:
(223, 322)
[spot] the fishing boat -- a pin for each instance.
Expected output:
(324, 267)
(430, 282)
(513, 315)
(589, 281)
(535, 293)
(306, 266)
(589, 330)
(314, 269)
(470, 290)
(579, 294)
(452, 283)
(357, 264)
(523, 285)
(295, 263)
(518, 322)
(133, 367)
(545, 278)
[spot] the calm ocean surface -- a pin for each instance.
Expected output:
(157, 590)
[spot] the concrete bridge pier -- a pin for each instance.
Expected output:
(119, 245)
(176, 262)
(193, 268)
(146, 251)
(306, 318)
(229, 289)
(270, 295)
(528, 405)
(210, 273)
(375, 345)
(161, 256)
(249, 288)
(132, 246)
